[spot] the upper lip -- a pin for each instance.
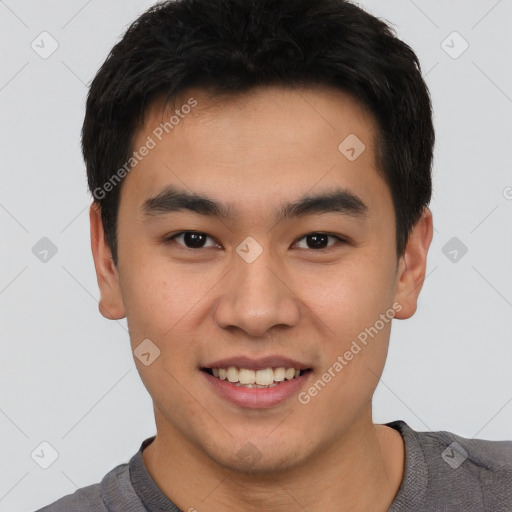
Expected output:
(257, 363)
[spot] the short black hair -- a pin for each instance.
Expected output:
(233, 46)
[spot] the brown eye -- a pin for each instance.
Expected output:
(191, 239)
(319, 241)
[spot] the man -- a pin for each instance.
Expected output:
(261, 174)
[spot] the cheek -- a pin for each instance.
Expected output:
(351, 303)
(162, 306)
(349, 296)
(157, 293)
(159, 298)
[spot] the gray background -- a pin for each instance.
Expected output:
(67, 375)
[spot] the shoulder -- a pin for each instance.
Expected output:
(460, 470)
(114, 488)
(85, 499)
(477, 456)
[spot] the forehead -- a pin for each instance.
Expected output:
(264, 146)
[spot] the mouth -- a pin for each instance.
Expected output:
(263, 378)
(256, 383)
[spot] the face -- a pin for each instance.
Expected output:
(255, 275)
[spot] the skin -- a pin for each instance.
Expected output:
(256, 151)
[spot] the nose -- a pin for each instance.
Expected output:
(256, 297)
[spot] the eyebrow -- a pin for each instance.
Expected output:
(172, 199)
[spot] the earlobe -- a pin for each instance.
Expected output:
(412, 266)
(111, 304)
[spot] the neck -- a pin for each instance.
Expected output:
(362, 471)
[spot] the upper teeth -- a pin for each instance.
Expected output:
(262, 377)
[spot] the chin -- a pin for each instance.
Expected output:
(263, 458)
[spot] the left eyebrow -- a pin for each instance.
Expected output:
(172, 199)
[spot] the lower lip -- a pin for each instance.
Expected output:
(256, 398)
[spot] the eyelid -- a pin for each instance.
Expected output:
(171, 238)
(340, 240)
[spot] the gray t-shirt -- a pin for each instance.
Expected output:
(443, 473)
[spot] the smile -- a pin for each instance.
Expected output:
(256, 388)
(264, 378)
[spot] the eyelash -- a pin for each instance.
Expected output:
(339, 239)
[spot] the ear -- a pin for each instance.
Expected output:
(111, 303)
(412, 266)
